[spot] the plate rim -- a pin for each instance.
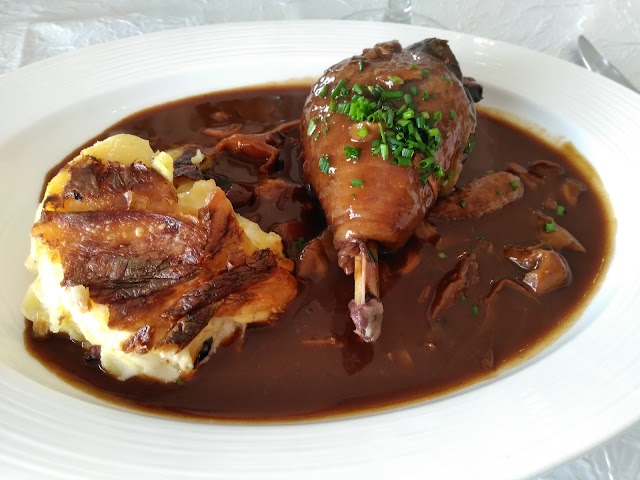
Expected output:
(360, 425)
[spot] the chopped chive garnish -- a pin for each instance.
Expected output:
(425, 95)
(396, 80)
(384, 151)
(463, 297)
(300, 243)
(442, 255)
(462, 204)
(413, 66)
(514, 184)
(361, 65)
(550, 226)
(499, 192)
(351, 153)
(447, 79)
(405, 131)
(469, 148)
(339, 89)
(452, 114)
(356, 182)
(560, 210)
(372, 255)
(324, 90)
(391, 94)
(313, 123)
(323, 163)
(353, 196)
(424, 72)
(474, 310)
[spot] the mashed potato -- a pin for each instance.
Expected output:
(151, 315)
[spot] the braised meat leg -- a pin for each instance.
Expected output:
(384, 134)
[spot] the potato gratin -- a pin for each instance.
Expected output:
(149, 276)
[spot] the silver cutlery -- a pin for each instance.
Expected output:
(597, 62)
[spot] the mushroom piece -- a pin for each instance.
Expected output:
(463, 276)
(554, 235)
(547, 269)
(481, 196)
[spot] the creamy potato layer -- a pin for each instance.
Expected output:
(156, 276)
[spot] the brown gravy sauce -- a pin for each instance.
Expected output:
(309, 364)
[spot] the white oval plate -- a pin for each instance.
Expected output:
(577, 393)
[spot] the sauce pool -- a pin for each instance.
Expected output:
(309, 363)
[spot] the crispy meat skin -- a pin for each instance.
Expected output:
(393, 200)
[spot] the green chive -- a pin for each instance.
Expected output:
(447, 79)
(396, 80)
(339, 89)
(323, 163)
(499, 192)
(424, 73)
(413, 66)
(312, 126)
(323, 91)
(300, 243)
(462, 204)
(469, 148)
(474, 310)
(514, 184)
(391, 94)
(560, 210)
(351, 152)
(550, 226)
(372, 255)
(356, 182)
(452, 114)
(384, 151)
(413, 90)
(442, 255)
(361, 64)
(363, 132)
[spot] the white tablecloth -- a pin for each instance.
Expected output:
(31, 30)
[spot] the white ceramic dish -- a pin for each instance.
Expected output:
(574, 395)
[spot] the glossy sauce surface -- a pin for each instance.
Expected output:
(309, 363)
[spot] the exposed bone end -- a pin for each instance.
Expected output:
(366, 308)
(367, 318)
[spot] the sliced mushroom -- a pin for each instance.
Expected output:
(545, 169)
(480, 197)
(547, 269)
(464, 275)
(521, 172)
(570, 190)
(557, 237)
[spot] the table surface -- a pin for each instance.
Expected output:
(31, 30)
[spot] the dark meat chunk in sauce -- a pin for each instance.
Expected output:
(310, 363)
